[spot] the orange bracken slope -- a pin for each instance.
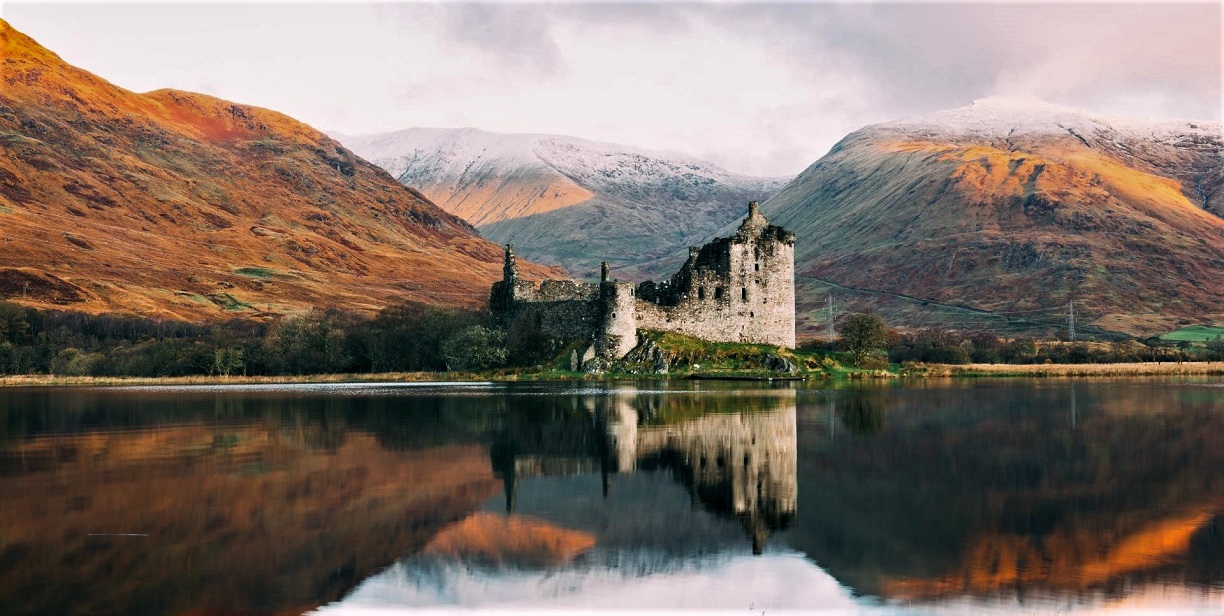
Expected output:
(180, 205)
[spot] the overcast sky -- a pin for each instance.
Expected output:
(759, 88)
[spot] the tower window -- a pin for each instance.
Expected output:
(717, 292)
(744, 293)
(757, 266)
(700, 292)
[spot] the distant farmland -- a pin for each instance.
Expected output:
(1194, 333)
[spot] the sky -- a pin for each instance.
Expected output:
(759, 88)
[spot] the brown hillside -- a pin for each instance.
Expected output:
(998, 208)
(181, 205)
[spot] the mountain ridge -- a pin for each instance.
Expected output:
(566, 200)
(181, 205)
(959, 208)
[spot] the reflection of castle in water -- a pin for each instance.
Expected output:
(738, 460)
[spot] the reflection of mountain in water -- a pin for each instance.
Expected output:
(1062, 491)
(740, 464)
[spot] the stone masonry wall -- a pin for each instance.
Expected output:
(735, 289)
(618, 333)
(743, 291)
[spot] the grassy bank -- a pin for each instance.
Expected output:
(1073, 370)
(918, 371)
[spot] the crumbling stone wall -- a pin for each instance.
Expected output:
(567, 309)
(734, 289)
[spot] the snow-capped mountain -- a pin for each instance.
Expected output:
(566, 200)
(1187, 150)
(1018, 207)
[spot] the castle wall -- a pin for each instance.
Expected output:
(747, 295)
(571, 319)
(566, 309)
(618, 334)
(735, 289)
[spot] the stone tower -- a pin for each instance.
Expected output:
(735, 289)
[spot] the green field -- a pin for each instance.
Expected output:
(1194, 333)
(261, 273)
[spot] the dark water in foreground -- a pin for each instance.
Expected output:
(1013, 497)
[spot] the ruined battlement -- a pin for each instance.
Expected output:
(734, 289)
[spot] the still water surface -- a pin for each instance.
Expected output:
(1006, 496)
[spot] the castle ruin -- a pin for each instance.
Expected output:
(734, 289)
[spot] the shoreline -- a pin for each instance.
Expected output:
(921, 371)
(1198, 368)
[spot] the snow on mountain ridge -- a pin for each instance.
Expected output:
(617, 168)
(1002, 117)
(450, 153)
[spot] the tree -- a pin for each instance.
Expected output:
(13, 324)
(526, 340)
(409, 336)
(228, 360)
(1215, 348)
(475, 348)
(863, 335)
(311, 343)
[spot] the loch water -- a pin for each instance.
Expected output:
(1006, 496)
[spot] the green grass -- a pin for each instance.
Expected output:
(1194, 333)
(684, 350)
(195, 297)
(262, 273)
(688, 355)
(230, 303)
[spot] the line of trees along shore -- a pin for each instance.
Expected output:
(402, 338)
(871, 343)
(413, 337)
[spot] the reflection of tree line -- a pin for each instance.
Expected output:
(736, 455)
(1049, 489)
(275, 515)
(321, 422)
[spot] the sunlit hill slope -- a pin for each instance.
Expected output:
(181, 205)
(1013, 207)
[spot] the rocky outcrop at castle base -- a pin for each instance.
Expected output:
(734, 289)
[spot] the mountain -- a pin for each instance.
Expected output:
(569, 201)
(998, 214)
(181, 205)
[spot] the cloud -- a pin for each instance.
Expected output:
(920, 57)
(758, 88)
(515, 38)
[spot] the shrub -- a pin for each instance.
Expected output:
(409, 336)
(75, 362)
(475, 348)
